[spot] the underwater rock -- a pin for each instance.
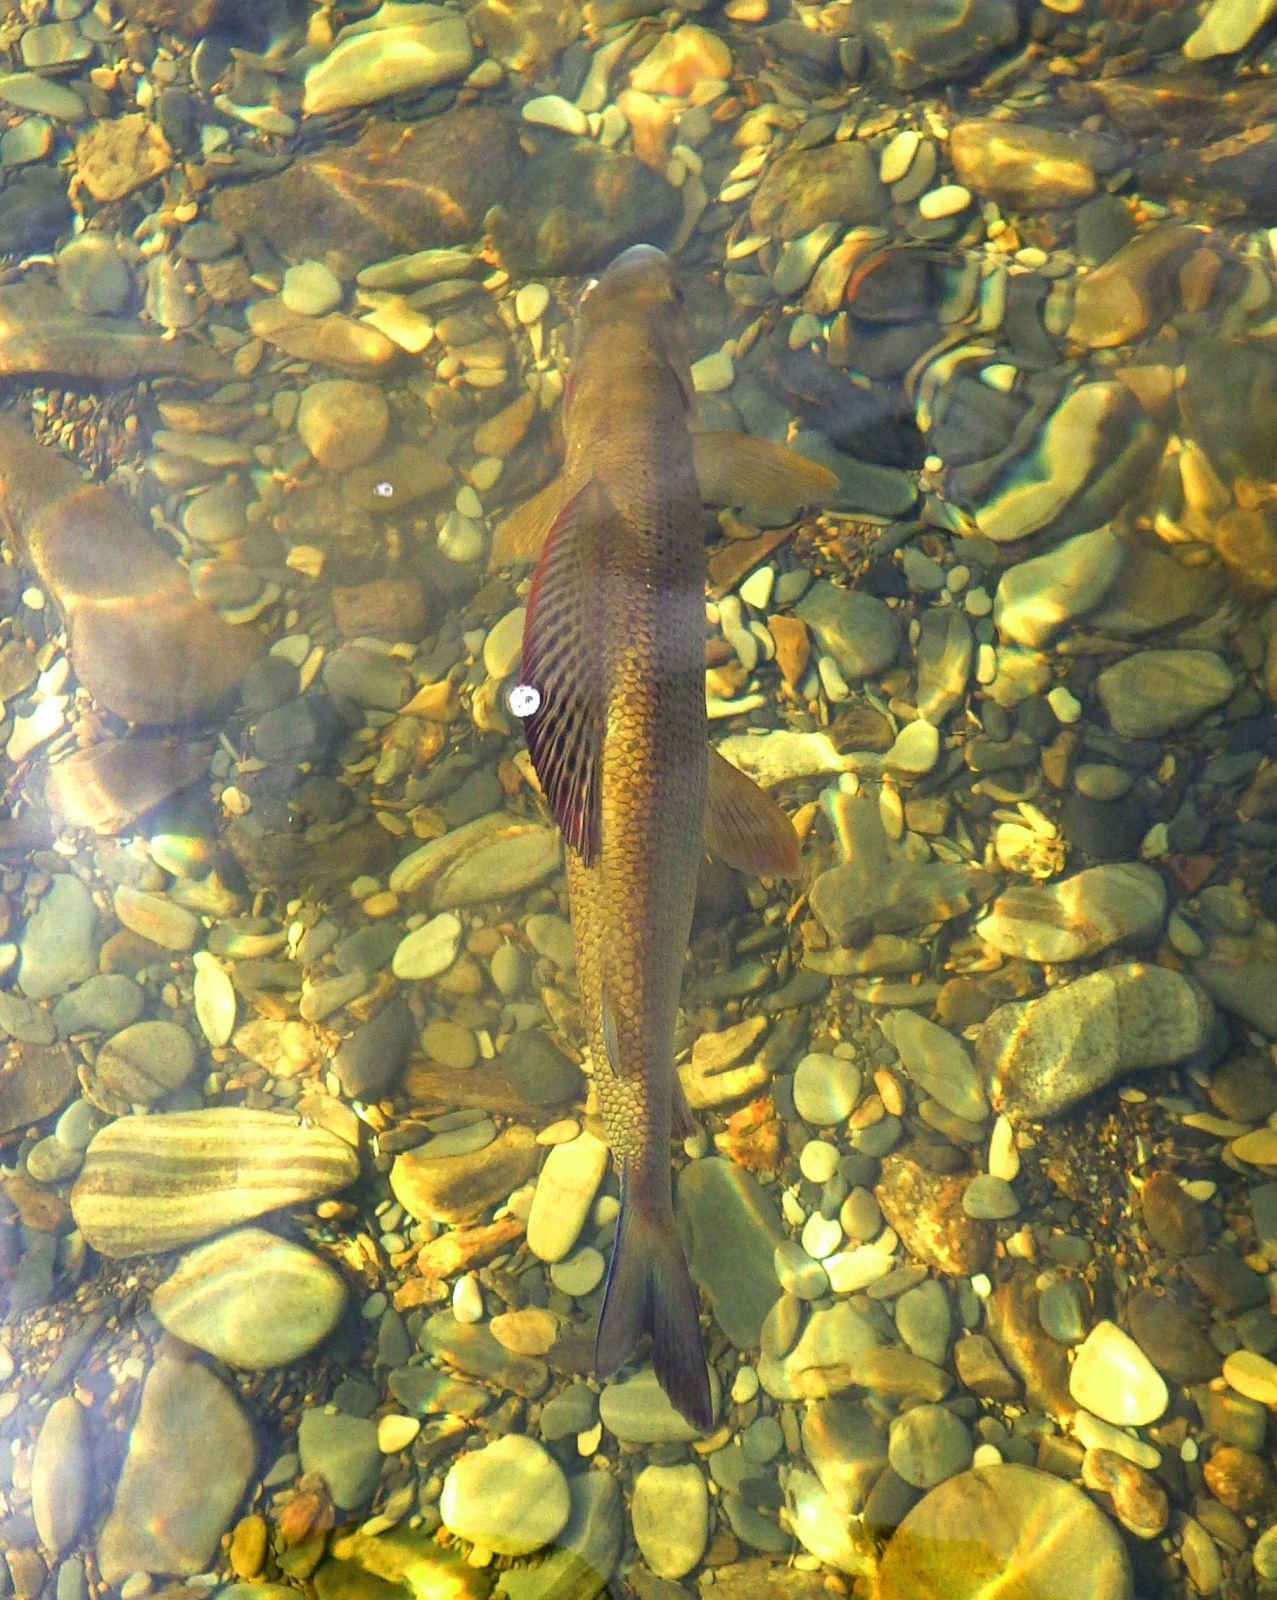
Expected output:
(804, 188)
(1079, 916)
(109, 786)
(984, 1528)
(141, 643)
(251, 1299)
(376, 60)
(1132, 292)
(1043, 1056)
(1020, 166)
(190, 1454)
(157, 1182)
(1159, 691)
(401, 187)
(1037, 598)
(579, 206)
(41, 333)
(942, 39)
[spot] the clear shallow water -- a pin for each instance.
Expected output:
(306, 1201)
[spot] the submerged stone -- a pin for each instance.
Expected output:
(1043, 1056)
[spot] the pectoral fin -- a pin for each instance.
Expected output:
(563, 662)
(745, 827)
(735, 469)
(522, 535)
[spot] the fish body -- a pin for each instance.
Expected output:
(613, 654)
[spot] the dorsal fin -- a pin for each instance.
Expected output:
(745, 827)
(563, 662)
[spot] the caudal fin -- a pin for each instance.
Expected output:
(649, 1290)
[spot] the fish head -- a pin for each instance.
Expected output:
(635, 313)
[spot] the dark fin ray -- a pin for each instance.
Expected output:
(735, 469)
(745, 827)
(649, 1289)
(682, 1123)
(563, 661)
(522, 535)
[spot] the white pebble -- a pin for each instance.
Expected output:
(467, 1301)
(897, 156)
(1112, 1377)
(530, 303)
(395, 1432)
(946, 201)
(311, 289)
(744, 1385)
(850, 1270)
(818, 1160)
(1065, 704)
(714, 373)
(756, 590)
(821, 1236)
(553, 111)
(1004, 1158)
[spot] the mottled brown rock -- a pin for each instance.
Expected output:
(759, 1579)
(1172, 1337)
(925, 1209)
(401, 187)
(1247, 544)
(1239, 1479)
(188, 17)
(1175, 1222)
(1235, 174)
(1019, 165)
(526, 37)
(1133, 292)
(121, 154)
(35, 1081)
(578, 207)
(290, 862)
(835, 183)
(1041, 1364)
(385, 608)
(1139, 1501)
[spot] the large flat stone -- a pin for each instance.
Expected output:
(401, 187)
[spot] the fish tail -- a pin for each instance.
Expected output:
(649, 1290)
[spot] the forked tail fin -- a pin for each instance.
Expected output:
(649, 1290)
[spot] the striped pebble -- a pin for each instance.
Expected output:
(157, 1183)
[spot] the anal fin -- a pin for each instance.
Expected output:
(745, 827)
